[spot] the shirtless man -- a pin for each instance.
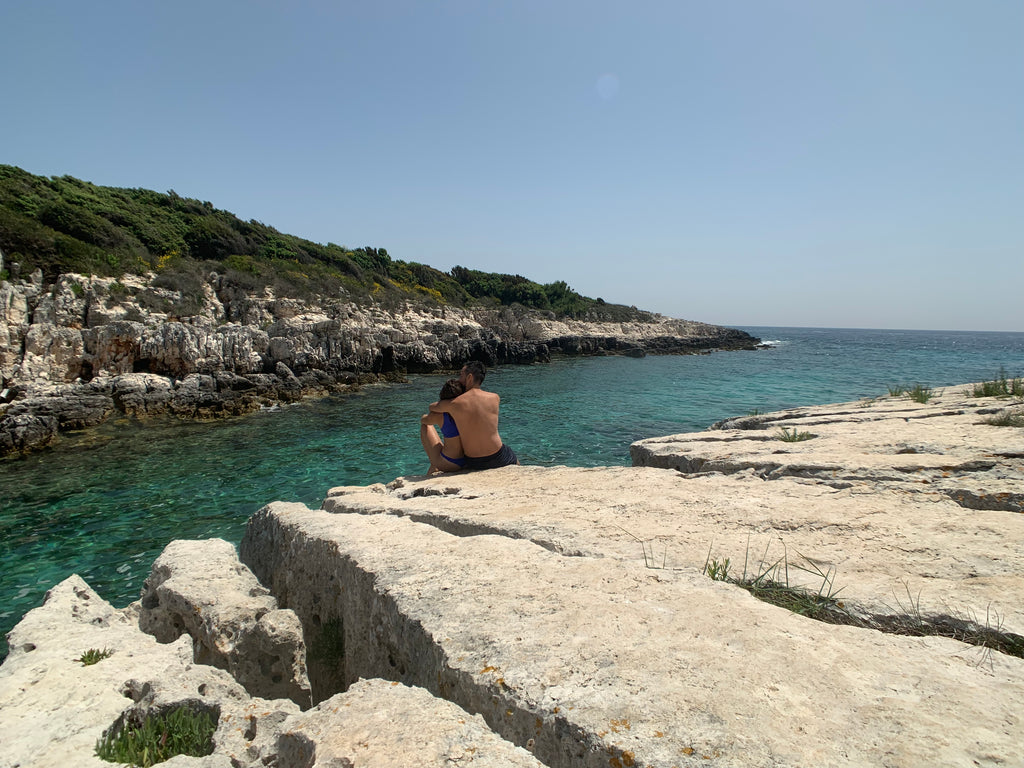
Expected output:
(476, 414)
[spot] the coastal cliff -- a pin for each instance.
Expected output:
(599, 617)
(77, 351)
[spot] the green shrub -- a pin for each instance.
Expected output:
(66, 225)
(159, 737)
(151, 300)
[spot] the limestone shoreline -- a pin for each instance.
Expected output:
(561, 617)
(75, 353)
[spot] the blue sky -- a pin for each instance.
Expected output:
(741, 162)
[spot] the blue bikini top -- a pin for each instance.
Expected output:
(448, 427)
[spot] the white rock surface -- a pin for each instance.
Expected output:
(599, 660)
(380, 724)
(943, 446)
(53, 709)
(200, 588)
(567, 608)
(563, 603)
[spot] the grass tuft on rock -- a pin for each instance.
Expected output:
(771, 584)
(159, 737)
(794, 436)
(1006, 418)
(94, 656)
(1000, 386)
(920, 393)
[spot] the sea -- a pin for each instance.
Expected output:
(106, 501)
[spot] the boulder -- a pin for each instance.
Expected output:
(380, 724)
(200, 588)
(113, 347)
(52, 353)
(54, 708)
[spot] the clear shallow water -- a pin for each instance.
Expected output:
(107, 502)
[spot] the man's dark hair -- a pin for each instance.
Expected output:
(476, 368)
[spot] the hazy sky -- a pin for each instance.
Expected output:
(741, 162)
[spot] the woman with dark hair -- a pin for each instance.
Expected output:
(446, 456)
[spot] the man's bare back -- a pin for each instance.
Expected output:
(476, 414)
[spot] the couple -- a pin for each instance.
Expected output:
(468, 418)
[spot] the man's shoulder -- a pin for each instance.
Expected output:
(477, 395)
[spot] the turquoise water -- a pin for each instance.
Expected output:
(107, 502)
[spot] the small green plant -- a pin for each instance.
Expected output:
(159, 737)
(1000, 386)
(78, 290)
(754, 412)
(920, 393)
(1006, 418)
(897, 391)
(794, 436)
(94, 656)
(717, 570)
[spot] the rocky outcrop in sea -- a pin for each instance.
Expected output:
(84, 348)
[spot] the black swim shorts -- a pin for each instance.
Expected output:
(502, 458)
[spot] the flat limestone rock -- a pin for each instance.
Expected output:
(884, 550)
(942, 446)
(380, 724)
(574, 647)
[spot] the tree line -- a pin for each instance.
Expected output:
(63, 224)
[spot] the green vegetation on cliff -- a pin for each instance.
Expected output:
(62, 224)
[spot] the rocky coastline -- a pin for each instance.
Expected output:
(552, 616)
(80, 350)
